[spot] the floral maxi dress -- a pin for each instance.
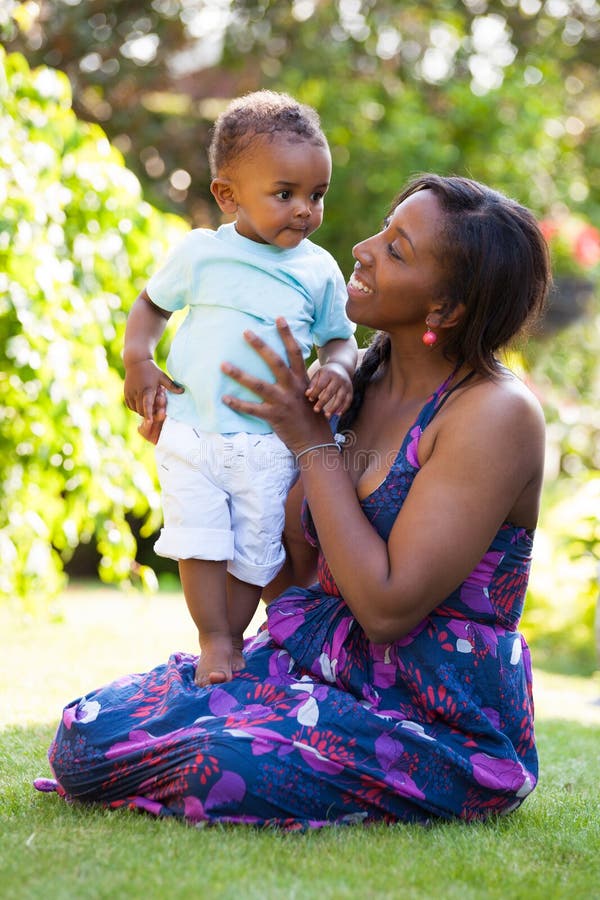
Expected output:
(324, 727)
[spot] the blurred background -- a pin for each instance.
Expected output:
(105, 115)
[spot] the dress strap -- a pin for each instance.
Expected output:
(451, 391)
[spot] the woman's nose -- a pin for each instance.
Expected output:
(361, 253)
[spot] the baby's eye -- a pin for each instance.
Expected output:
(318, 195)
(283, 195)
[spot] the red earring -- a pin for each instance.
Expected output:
(429, 338)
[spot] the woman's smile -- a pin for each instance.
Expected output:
(356, 285)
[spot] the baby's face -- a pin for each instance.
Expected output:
(279, 186)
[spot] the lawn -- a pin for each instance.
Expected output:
(548, 849)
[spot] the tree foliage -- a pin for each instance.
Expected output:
(77, 241)
(473, 88)
(503, 90)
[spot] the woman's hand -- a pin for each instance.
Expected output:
(283, 404)
(151, 428)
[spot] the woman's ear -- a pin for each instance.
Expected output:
(445, 316)
(222, 191)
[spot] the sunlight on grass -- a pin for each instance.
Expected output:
(49, 849)
(547, 849)
(94, 634)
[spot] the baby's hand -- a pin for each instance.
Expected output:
(330, 389)
(142, 381)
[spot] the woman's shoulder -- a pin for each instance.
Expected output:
(490, 415)
(504, 398)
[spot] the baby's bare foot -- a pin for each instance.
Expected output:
(237, 661)
(237, 657)
(215, 663)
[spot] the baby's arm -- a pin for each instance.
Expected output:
(330, 388)
(145, 326)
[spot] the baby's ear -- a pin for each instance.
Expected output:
(222, 191)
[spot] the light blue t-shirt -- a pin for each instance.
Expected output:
(229, 284)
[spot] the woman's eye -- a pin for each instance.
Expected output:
(284, 195)
(393, 252)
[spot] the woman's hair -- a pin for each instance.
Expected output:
(494, 260)
(258, 114)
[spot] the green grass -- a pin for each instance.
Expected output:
(48, 849)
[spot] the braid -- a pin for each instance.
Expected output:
(375, 358)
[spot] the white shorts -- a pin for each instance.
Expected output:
(224, 498)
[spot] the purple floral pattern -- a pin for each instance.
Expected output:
(322, 727)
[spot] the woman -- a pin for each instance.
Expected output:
(410, 698)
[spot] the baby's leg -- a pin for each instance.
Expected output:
(204, 585)
(242, 600)
(257, 517)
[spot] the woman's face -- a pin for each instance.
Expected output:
(398, 278)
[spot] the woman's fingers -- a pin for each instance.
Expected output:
(292, 348)
(261, 410)
(150, 430)
(263, 389)
(283, 372)
(277, 365)
(282, 399)
(147, 403)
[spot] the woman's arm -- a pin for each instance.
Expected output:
(487, 454)
(300, 567)
(485, 458)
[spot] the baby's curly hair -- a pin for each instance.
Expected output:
(257, 114)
